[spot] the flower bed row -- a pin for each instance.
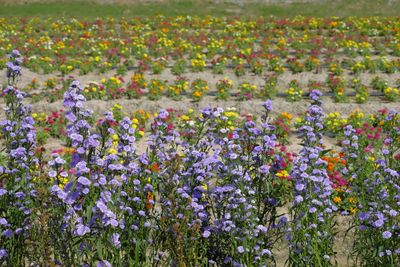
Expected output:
(299, 44)
(138, 86)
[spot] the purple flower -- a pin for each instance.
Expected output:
(262, 228)
(115, 240)
(363, 216)
(315, 96)
(104, 263)
(264, 169)
(393, 213)
(81, 230)
(312, 210)
(2, 192)
(3, 221)
(298, 199)
(3, 253)
(299, 187)
(7, 233)
(206, 234)
(83, 181)
(240, 249)
(102, 207)
(378, 223)
(387, 235)
(267, 105)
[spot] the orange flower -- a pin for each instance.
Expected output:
(330, 167)
(154, 167)
(149, 200)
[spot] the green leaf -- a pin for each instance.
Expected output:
(99, 248)
(89, 211)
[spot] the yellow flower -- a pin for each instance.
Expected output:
(185, 118)
(282, 174)
(352, 200)
(197, 94)
(112, 151)
(117, 106)
(204, 186)
(353, 210)
(337, 199)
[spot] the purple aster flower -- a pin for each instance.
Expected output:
(84, 181)
(312, 210)
(267, 105)
(104, 263)
(298, 199)
(206, 234)
(7, 233)
(393, 213)
(387, 235)
(378, 223)
(81, 230)
(115, 240)
(3, 221)
(262, 228)
(299, 187)
(3, 253)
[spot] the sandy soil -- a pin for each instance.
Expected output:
(250, 106)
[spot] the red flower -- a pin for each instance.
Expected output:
(55, 114)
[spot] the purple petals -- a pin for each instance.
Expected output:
(206, 234)
(7, 233)
(84, 181)
(115, 240)
(81, 230)
(104, 263)
(387, 235)
(240, 249)
(299, 187)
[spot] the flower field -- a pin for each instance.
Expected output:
(188, 141)
(354, 57)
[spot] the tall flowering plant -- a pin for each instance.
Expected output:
(311, 229)
(100, 201)
(246, 196)
(180, 169)
(17, 191)
(377, 188)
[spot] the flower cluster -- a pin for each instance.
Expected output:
(310, 234)
(17, 191)
(377, 189)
